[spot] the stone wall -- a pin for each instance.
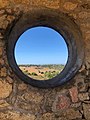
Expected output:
(19, 101)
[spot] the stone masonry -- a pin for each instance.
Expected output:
(20, 101)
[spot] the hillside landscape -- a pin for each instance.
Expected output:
(42, 72)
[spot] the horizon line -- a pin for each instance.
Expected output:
(42, 64)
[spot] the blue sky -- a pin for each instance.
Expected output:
(41, 45)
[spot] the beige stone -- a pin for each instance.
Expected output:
(2, 12)
(70, 6)
(87, 38)
(86, 108)
(85, 26)
(5, 24)
(1, 51)
(3, 103)
(22, 86)
(51, 4)
(12, 115)
(9, 79)
(87, 65)
(9, 10)
(82, 87)
(83, 96)
(4, 3)
(33, 96)
(72, 114)
(45, 3)
(82, 68)
(5, 89)
(2, 18)
(1, 61)
(3, 21)
(73, 15)
(47, 116)
(76, 105)
(28, 106)
(3, 72)
(84, 14)
(10, 18)
(18, 1)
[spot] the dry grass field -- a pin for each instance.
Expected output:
(41, 72)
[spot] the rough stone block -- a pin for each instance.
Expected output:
(72, 114)
(9, 80)
(83, 96)
(62, 102)
(12, 115)
(86, 108)
(47, 116)
(1, 51)
(33, 97)
(70, 6)
(3, 103)
(4, 3)
(1, 62)
(74, 94)
(3, 72)
(5, 89)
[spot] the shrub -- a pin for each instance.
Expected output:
(50, 75)
(33, 73)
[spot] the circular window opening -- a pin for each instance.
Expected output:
(46, 49)
(41, 53)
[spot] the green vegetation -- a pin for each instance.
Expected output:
(33, 73)
(50, 74)
(25, 72)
